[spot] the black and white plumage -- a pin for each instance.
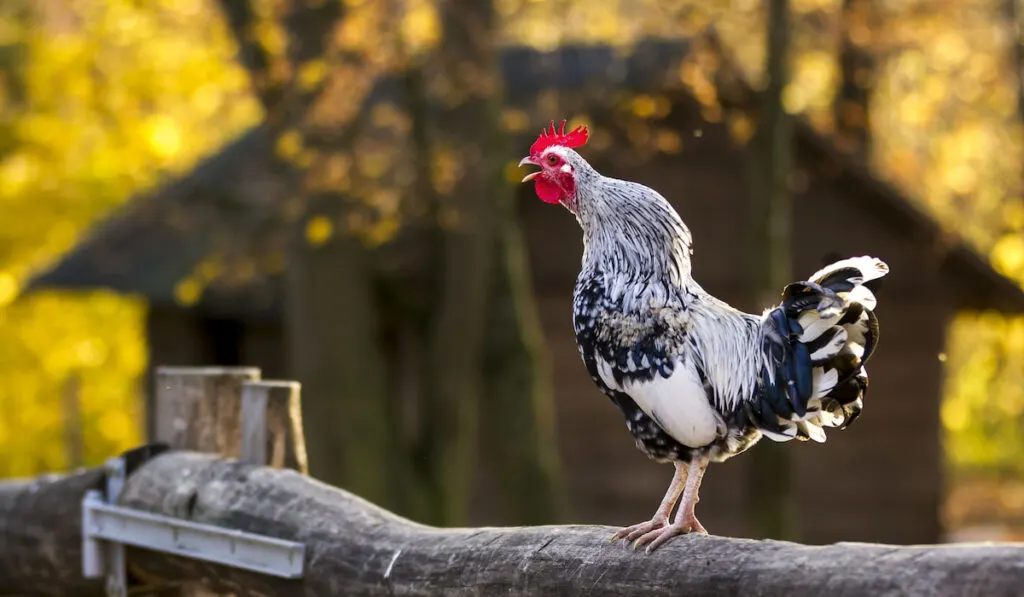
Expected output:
(697, 380)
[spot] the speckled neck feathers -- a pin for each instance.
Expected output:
(628, 229)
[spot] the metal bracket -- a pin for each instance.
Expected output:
(107, 529)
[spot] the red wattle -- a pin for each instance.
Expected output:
(546, 190)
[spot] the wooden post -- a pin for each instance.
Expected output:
(199, 408)
(272, 425)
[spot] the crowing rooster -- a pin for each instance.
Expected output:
(697, 380)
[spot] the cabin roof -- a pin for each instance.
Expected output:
(155, 240)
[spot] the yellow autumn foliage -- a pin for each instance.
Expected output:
(114, 96)
(49, 339)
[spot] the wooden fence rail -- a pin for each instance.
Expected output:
(356, 548)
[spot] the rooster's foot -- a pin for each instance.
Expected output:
(631, 533)
(658, 536)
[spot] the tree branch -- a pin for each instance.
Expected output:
(355, 548)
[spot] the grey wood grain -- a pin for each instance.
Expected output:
(355, 548)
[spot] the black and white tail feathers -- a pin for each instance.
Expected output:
(815, 344)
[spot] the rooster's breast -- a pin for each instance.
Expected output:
(678, 404)
(640, 361)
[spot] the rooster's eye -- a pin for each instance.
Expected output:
(553, 160)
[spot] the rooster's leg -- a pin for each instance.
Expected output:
(685, 520)
(664, 510)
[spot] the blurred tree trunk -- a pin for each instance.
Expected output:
(517, 403)
(333, 337)
(502, 358)
(518, 399)
(467, 130)
(330, 311)
(770, 503)
(1011, 13)
(514, 398)
(851, 105)
(416, 315)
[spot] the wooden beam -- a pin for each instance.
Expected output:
(199, 408)
(357, 549)
(272, 425)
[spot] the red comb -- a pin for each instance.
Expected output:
(575, 138)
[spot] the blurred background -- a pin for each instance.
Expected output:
(327, 189)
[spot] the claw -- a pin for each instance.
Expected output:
(644, 529)
(658, 537)
(657, 531)
(632, 532)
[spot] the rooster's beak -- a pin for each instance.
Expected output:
(531, 175)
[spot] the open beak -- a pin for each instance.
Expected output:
(531, 175)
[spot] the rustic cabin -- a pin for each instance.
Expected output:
(880, 480)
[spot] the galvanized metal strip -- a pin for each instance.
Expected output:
(237, 549)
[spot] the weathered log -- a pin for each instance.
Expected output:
(41, 535)
(41, 530)
(356, 548)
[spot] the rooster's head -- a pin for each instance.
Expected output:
(559, 164)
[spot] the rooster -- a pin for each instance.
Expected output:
(697, 380)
